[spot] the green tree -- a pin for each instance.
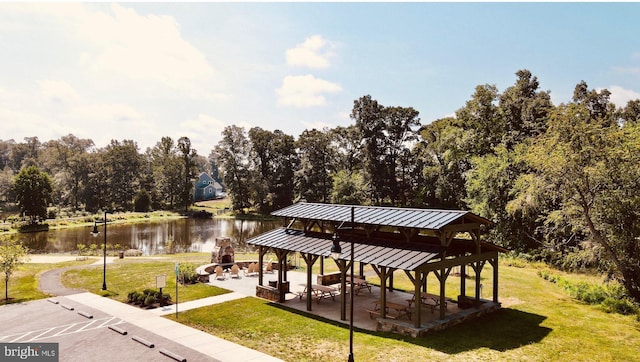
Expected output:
(313, 178)
(12, 255)
(347, 143)
(490, 184)
(349, 188)
(142, 201)
(386, 133)
(232, 153)
(273, 174)
(524, 109)
(444, 159)
(66, 159)
(33, 189)
(590, 165)
(6, 183)
(166, 168)
(481, 118)
(122, 164)
(188, 156)
(25, 154)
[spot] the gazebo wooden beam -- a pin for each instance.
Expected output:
(462, 260)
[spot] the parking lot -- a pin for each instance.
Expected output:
(83, 333)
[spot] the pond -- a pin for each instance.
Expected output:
(157, 237)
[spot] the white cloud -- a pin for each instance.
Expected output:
(319, 125)
(141, 47)
(305, 91)
(118, 42)
(620, 96)
(628, 70)
(314, 52)
(204, 132)
(58, 92)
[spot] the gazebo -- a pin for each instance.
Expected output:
(389, 239)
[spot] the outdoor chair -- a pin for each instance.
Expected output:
(252, 270)
(269, 267)
(235, 272)
(220, 273)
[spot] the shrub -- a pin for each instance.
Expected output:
(149, 300)
(622, 306)
(133, 297)
(187, 273)
(611, 297)
(164, 299)
(148, 297)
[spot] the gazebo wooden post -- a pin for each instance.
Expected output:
(417, 283)
(309, 259)
(261, 252)
(424, 281)
(463, 282)
(383, 292)
(494, 264)
(282, 273)
(478, 270)
(321, 265)
(391, 281)
(342, 264)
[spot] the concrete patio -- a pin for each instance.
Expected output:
(363, 303)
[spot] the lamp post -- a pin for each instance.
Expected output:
(95, 233)
(336, 250)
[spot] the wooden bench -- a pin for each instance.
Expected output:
(373, 313)
(401, 310)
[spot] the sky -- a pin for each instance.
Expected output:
(142, 71)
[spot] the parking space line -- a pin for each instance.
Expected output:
(64, 330)
(45, 332)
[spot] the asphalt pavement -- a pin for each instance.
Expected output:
(88, 327)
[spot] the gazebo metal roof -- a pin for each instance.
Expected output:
(393, 254)
(376, 215)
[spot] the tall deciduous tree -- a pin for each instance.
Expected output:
(442, 151)
(232, 154)
(166, 168)
(525, 109)
(12, 254)
(276, 162)
(33, 189)
(590, 164)
(347, 142)
(122, 164)
(189, 170)
(313, 178)
(386, 133)
(482, 119)
(67, 160)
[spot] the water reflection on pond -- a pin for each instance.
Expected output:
(159, 237)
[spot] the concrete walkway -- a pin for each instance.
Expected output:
(202, 342)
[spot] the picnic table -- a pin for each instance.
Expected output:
(359, 284)
(400, 309)
(319, 292)
(430, 300)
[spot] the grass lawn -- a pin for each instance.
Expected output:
(137, 274)
(23, 285)
(539, 322)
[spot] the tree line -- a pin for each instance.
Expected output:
(72, 173)
(560, 182)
